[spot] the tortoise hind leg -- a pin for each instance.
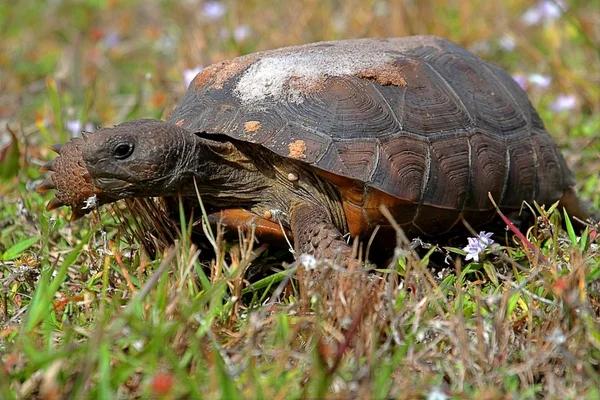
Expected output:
(571, 203)
(315, 234)
(573, 206)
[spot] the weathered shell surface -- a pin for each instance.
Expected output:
(418, 118)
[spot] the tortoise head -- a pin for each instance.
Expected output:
(151, 158)
(139, 158)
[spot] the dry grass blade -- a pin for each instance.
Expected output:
(147, 220)
(535, 251)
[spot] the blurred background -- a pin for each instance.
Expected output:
(68, 66)
(72, 65)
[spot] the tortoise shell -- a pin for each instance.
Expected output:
(417, 124)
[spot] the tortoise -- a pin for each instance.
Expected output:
(314, 139)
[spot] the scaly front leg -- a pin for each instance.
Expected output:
(315, 234)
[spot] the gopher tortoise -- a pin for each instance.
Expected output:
(314, 139)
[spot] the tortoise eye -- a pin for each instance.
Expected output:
(123, 150)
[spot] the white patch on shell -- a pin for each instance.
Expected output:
(269, 77)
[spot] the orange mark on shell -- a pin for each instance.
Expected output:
(252, 126)
(180, 123)
(297, 149)
(385, 76)
(219, 73)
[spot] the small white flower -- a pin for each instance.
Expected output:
(557, 336)
(213, 10)
(190, 74)
(138, 345)
(310, 262)
(564, 102)
(478, 245)
(90, 202)
(436, 393)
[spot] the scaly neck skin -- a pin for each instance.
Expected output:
(224, 176)
(241, 175)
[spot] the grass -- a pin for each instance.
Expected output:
(85, 313)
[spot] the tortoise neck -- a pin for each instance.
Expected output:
(223, 175)
(230, 173)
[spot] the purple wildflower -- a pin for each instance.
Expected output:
(551, 9)
(543, 11)
(75, 127)
(478, 245)
(507, 42)
(521, 80)
(564, 102)
(111, 40)
(539, 80)
(213, 10)
(190, 74)
(241, 33)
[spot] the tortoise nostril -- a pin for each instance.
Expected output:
(123, 150)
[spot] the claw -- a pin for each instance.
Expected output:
(56, 147)
(46, 185)
(54, 204)
(49, 166)
(75, 216)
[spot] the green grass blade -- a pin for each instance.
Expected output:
(228, 385)
(42, 300)
(269, 280)
(9, 157)
(570, 229)
(104, 370)
(16, 250)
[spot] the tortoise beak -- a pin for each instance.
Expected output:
(111, 185)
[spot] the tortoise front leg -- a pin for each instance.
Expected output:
(235, 218)
(315, 234)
